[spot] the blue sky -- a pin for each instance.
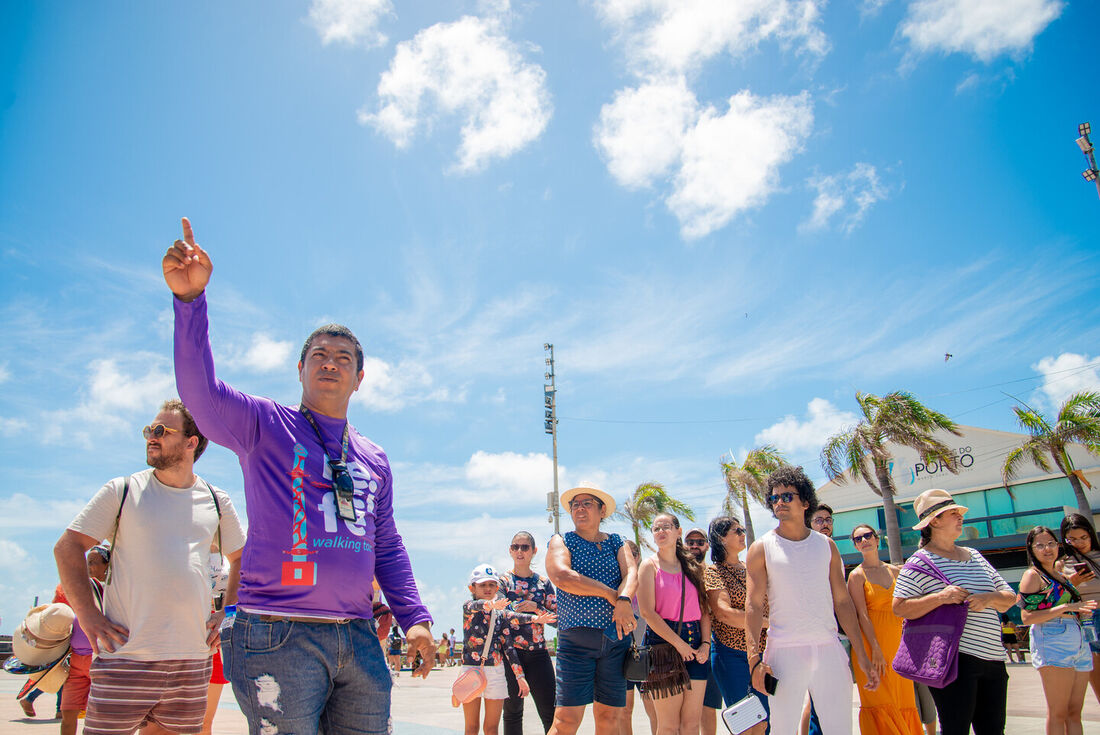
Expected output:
(727, 217)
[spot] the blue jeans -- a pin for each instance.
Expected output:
(731, 671)
(294, 677)
(590, 668)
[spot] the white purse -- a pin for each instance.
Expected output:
(742, 715)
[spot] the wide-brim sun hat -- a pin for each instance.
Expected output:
(44, 634)
(49, 680)
(931, 503)
(588, 488)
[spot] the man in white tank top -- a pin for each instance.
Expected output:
(801, 573)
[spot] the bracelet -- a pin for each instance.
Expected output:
(753, 669)
(623, 598)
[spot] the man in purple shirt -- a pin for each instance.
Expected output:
(302, 654)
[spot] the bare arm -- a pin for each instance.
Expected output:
(623, 616)
(911, 608)
(757, 589)
(723, 610)
(859, 599)
(72, 568)
(1030, 583)
(846, 614)
(561, 573)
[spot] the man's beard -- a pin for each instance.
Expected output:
(164, 460)
(699, 555)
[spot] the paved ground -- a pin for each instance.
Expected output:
(423, 707)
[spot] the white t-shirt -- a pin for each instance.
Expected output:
(160, 588)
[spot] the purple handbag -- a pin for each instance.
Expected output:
(929, 650)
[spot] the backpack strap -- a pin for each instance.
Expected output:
(218, 510)
(114, 533)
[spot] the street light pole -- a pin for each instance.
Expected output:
(1083, 142)
(551, 427)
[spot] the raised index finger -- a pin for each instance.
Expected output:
(188, 235)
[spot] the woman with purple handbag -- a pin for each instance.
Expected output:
(942, 575)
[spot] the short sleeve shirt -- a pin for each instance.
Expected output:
(598, 560)
(733, 581)
(981, 636)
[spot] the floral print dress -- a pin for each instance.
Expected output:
(475, 627)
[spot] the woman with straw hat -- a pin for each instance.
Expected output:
(595, 576)
(977, 696)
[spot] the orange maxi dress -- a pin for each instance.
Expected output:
(891, 709)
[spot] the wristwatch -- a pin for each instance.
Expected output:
(623, 597)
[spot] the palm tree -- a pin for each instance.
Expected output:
(1078, 423)
(648, 501)
(860, 452)
(749, 480)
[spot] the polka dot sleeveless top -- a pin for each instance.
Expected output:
(598, 561)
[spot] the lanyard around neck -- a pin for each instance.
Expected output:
(343, 442)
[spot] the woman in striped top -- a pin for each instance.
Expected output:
(977, 696)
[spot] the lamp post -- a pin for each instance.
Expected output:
(1083, 142)
(549, 392)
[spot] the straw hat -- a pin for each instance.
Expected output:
(930, 504)
(44, 634)
(587, 488)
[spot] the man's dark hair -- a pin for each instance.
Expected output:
(826, 508)
(190, 428)
(794, 477)
(335, 330)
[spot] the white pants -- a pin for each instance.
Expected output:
(820, 669)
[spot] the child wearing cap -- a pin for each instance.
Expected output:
(484, 583)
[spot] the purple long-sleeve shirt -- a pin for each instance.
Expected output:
(300, 558)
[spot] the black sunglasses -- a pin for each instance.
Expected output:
(341, 478)
(786, 497)
(695, 542)
(863, 537)
(520, 547)
(739, 531)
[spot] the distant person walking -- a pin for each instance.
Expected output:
(595, 576)
(977, 697)
(1054, 609)
(532, 593)
(1082, 566)
(891, 709)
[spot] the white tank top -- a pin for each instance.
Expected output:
(799, 595)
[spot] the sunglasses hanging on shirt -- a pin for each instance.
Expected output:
(342, 484)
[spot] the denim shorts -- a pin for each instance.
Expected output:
(731, 671)
(590, 668)
(1060, 643)
(303, 678)
(692, 633)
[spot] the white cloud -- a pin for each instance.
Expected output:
(12, 555)
(390, 387)
(679, 36)
(731, 161)
(487, 479)
(5, 373)
(967, 83)
(846, 197)
(717, 163)
(513, 476)
(470, 70)
(264, 355)
(983, 29)
(12, 427)
(20, 511)
(792, 435)
(1067, 374)
(349, 21)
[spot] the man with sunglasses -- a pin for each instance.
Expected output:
(697, 543)
(153, 637)
(303, 654)
(801, 573)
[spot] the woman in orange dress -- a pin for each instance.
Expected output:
(891, 709)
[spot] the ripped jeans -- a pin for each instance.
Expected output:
(302, 678)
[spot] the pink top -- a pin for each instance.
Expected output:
(667, 593)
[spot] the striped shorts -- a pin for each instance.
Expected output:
(126, 694)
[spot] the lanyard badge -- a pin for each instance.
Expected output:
(342, 484)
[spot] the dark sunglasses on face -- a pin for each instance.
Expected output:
(787, 497)
(863, 536)
(520, 547)
(739, 531)
(695, 542)
(156, 431)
